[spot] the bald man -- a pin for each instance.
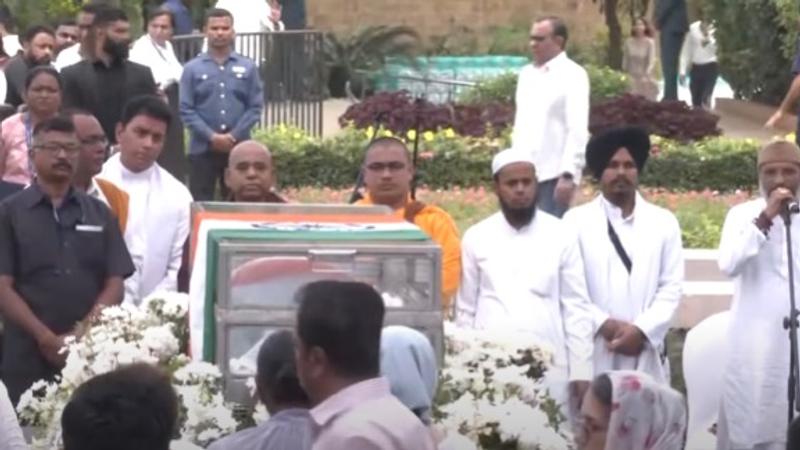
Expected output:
(249, 175)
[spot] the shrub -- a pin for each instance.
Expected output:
(718, 164)
(447, 159)
(397, 111)
(756, 41)
(672, 120)
(605, 84)
(501, 88)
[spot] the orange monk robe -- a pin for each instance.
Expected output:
(441, 228)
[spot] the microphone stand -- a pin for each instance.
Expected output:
(790, 322)
(417, 104)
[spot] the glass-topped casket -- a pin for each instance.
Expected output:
(250, 260)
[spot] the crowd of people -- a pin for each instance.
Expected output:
(89, 218)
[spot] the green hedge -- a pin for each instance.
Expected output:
(447, 160)
(605, 83)
(718, 164)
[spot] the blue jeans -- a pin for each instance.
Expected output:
(545, 200)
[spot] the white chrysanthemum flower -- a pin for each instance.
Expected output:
(160, 342)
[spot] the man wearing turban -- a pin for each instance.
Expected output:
(632, 256)
(522, 272)
(752, 251)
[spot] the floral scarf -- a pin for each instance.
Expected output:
(645, 415)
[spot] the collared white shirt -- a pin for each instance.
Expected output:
(529, 280)
(67, 57)
(552, 118)
(366, 416)
(647, 296)
(11, 45)
(697, 48)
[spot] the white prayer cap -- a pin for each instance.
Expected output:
(510, 156)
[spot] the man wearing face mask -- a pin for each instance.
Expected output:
(632, 257)
(103, 84)
(752, 252)
(38, 44)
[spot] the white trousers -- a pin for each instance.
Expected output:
(723, 440)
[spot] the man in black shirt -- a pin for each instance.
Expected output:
(62, 258)
(6, 189)
(103, 84)
(38, 45)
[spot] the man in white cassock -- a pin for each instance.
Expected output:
(632, 255)
(754, 409)
(158, 211)
(522, 272)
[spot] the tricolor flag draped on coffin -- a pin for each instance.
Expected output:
(249, 260)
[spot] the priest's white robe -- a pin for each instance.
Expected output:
(649, 295)
(529, 280)
(755, 376)
(158, 224)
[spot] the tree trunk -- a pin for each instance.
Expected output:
(614, 35)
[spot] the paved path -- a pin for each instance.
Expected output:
(740, 126)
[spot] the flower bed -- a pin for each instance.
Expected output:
(700, 213)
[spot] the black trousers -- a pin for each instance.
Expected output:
(703, 78)
(671, 44)
(173, 157)
(207, 171)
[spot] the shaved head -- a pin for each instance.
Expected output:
(249, 175)
(247, 149)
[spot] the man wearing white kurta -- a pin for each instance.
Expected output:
(753, 414)
(552, 118)
(158, 213)
(522, 271)
(632, 255)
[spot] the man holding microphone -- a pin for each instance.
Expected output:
(753, 410)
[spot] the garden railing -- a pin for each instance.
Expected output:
(291, 69)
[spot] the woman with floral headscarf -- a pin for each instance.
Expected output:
(627, 410)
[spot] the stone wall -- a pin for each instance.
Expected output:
(436, 17)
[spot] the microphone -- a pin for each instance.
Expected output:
(791, 206)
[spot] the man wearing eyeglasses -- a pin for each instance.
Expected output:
(94, 150)
(388, 172)
(552, 118)
(62, 259)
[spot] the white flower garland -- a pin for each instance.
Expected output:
(491, 391)
(153, 333)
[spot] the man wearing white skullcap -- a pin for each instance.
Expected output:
(522, 271)
(632, 255)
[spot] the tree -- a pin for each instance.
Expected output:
(29, 12)
(611, 10)
(757, 63)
